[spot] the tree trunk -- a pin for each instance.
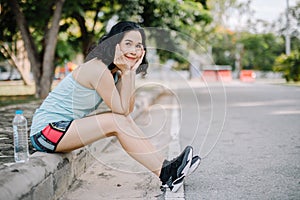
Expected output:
(85, 36)
(49, 53)
(21, 64)
(28, 40)
(43, 71)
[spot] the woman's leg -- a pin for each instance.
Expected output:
(90, 129)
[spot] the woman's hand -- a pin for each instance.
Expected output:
(137, 64)
(120, 61)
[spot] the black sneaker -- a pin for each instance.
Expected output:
(194, 165)
(174, 171)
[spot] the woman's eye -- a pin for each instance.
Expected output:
(128, 44)
(139, 46)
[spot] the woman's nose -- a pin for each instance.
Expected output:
(132, 50)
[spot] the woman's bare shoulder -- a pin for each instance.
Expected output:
(89, 72)
(93, 66)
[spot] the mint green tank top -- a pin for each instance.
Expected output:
(68, 101)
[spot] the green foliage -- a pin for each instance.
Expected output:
(8, 26)
(257, 51)
(295, 41)
(37, 14)
(172, 20)
(289, 65)
(64, 52)
(83, 22)
(260, 50)
(223, 48)
(18, 99)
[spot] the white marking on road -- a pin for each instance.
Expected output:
(174, 150)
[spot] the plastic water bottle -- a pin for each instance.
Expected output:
(20, 137)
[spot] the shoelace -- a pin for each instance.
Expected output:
(175, 162)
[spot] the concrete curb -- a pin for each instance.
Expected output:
(48, 176)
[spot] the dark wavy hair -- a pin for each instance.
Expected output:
(105, 50)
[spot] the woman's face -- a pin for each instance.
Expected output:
(132, 47)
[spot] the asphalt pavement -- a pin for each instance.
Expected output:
(249, 136)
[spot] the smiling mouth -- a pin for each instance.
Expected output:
(129, 58)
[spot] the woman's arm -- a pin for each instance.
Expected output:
(119, 99)
(126, 86)
(101, 79)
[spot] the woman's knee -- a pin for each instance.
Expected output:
(118, 121)
(121, 120)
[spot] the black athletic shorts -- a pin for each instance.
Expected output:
(48, 139)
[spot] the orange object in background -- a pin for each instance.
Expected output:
(217, 73)
(62, 71)
(210, 76)
(225, 75)
(71, 66)
(247, 76)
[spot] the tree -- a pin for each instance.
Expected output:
(47, 15)
(187, 17)
(260, 50)
(11, 44)
(289, 65)
(224, 39)
(223, 47)
(176, 24)
(92, 18)
(84, 22)
(18, 59)
(280, 26)
(53, 30)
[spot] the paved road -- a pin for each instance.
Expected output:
(258, 152)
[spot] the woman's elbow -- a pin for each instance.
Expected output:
(128, 111)
(124, 112)
(131, 105)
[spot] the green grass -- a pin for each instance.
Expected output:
(11, 100)
(14, 88)
(15, 92)
(292, 83)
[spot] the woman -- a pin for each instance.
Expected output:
(60, 124)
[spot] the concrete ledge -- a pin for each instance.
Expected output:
(48, 176)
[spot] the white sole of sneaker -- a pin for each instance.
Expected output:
(194, 166)
(179, 181)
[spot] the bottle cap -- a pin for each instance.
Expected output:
(19, 112)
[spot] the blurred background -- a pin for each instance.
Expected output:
(42, 41)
